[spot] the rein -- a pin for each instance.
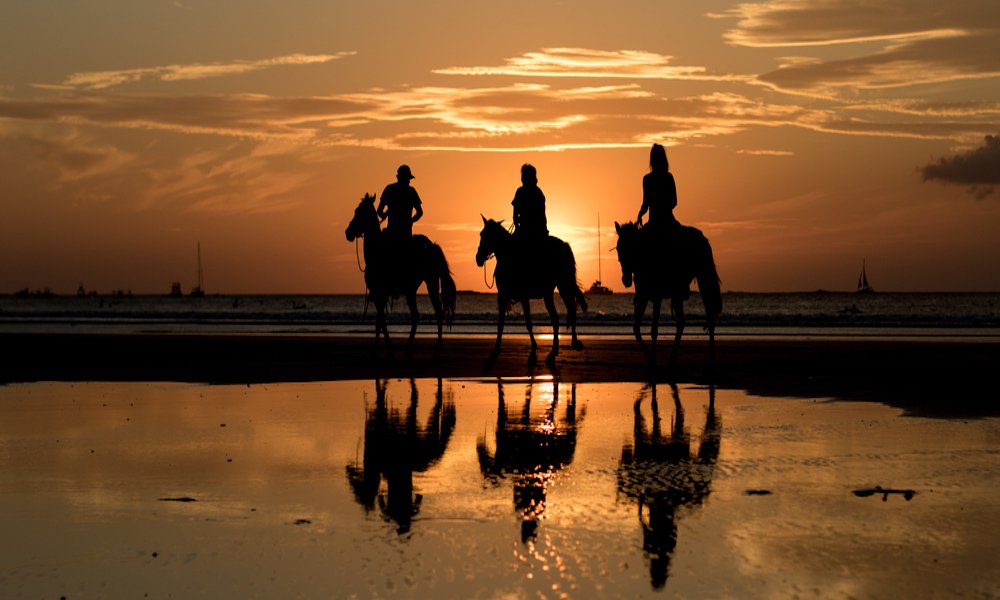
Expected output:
(489, 285)
(357, 253)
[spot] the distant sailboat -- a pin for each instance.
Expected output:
(198, 290)
(863, 286)
(596, 288)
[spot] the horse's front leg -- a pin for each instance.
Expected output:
(677, 305)
(411, 301)
(654, 330)
(639, 302)
(501, 316)
(526, 308)
(550, 305)
(380, 325)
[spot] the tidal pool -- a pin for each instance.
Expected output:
(487, 489)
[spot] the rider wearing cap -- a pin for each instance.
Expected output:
(400, 202)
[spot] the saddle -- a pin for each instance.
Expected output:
(667, 243)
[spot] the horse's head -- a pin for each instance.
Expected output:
(628, 250)
(490, 238)
(365, 219)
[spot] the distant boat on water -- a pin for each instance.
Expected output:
(863, 286)
(596, 288)
(198, 291)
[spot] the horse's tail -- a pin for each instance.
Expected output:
(577, 291)
(709, 283)
(448, 290)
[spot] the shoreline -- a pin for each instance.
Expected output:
(933, 377)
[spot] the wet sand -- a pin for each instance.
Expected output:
(922, 376)
(416, 489)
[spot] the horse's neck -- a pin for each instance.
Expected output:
(503, 244)
(372, 242)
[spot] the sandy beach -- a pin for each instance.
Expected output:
(923, 376)
(237, 466)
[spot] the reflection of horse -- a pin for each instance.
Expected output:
(398, 267)
(532, 269)
(660, 474)
(530, 449)
(396, 447)
(664, 269)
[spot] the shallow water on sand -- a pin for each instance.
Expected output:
(466, 489)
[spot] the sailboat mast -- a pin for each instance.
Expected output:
(199, 267)
(599, 277)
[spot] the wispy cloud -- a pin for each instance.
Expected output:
(99, 80)
(766, 152)
(901, 43)
(583, 62)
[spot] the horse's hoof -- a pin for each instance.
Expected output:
(576, 345)
(532, 359)
(550, 360)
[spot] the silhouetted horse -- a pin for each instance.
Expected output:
(398, 267)
(664, 269)
(396, 447)
(525, 272)
(660, 474)
(530, 449)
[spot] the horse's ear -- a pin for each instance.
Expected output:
(484, 218)
(618, 228)
(371, 198)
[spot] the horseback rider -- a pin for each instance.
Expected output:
(659, 192)
(401, 204)
(529, 208)
(662, 234)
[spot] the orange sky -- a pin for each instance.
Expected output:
(805, 137)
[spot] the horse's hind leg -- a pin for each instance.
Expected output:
(677, 306)
(569, 300)
(550, 305)
(411, 301)
(435, 298)
(526, 307)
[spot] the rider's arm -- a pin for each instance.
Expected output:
(381, 207)
(646, 192)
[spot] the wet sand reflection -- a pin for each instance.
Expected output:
(541, 489)
(658, 472)
(396, 447)
(530, 448)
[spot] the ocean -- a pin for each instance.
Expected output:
(962, 315)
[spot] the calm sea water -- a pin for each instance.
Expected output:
(753, 314)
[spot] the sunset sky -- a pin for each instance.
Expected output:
(805, 136)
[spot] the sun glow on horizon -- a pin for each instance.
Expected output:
(803, 135)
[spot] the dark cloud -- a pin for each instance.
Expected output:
(978, 168)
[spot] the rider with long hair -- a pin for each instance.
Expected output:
(529, 207)
(659, 191)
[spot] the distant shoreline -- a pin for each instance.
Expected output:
(922, 376)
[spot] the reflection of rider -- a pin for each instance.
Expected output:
(529, 207)
(660, 474)
(401, 204)
(659, 191)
